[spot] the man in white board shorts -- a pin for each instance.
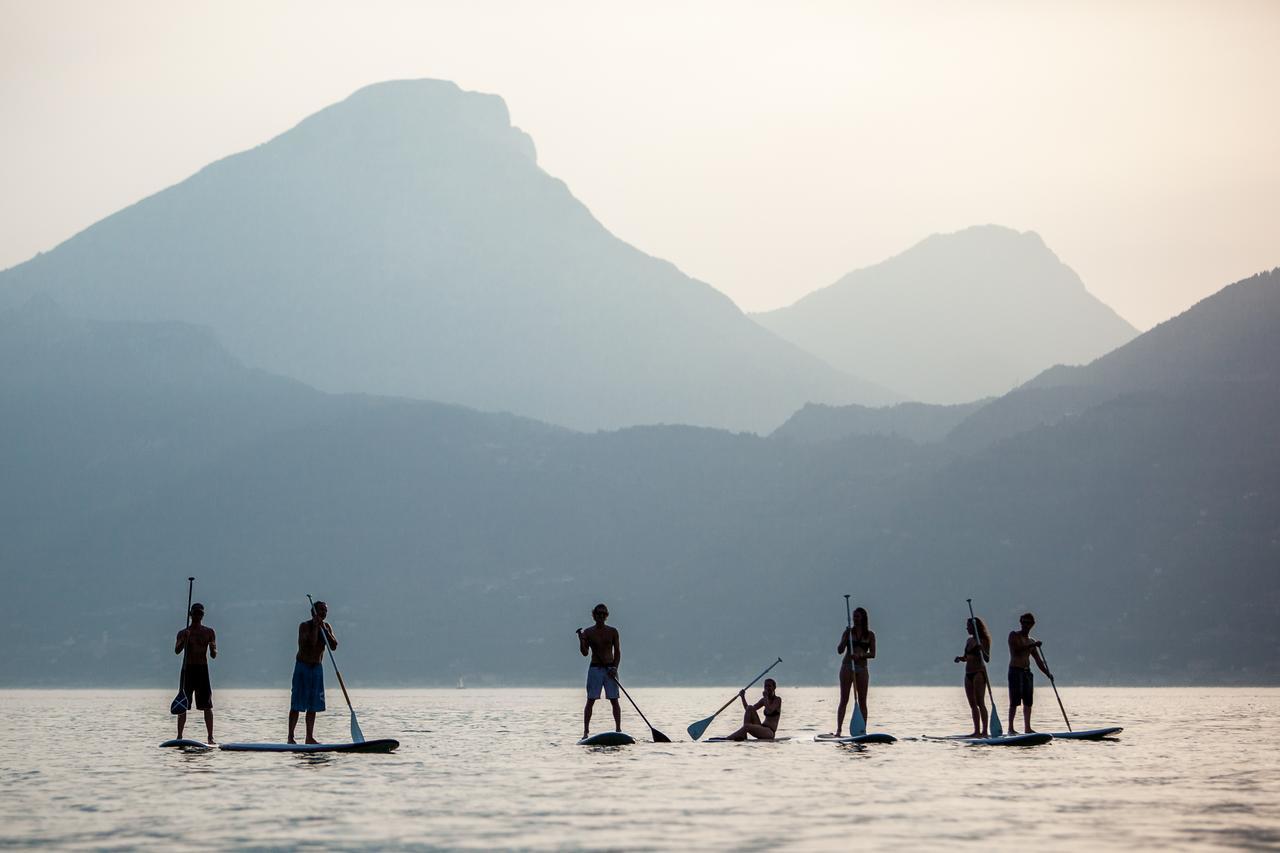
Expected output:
(605, 647)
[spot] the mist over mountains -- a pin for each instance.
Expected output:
(405, 242)
(1141, 527)
(955, 318)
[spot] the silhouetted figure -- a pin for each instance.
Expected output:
(977, 653)
(857, 650)
(195, 641)
(307, 695)
(1022, 649)
(605, 647)
(771, 702)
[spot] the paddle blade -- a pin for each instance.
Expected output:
(658, 737)
(696, 730)
(997, 730)
(857, 725)
(179, 704)
(357, 736)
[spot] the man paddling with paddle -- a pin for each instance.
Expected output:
(1022, 649)
(605, 647)
(195, 641)
(308, 670)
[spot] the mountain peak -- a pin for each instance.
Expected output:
(956, 317)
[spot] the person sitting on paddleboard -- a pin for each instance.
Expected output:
(977, 653)
(307, 694)
(196, 640)
(853, 666)
(605, 647)
(771, 702)
(1022, 649)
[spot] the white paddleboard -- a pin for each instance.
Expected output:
(608, 739)
(1033, 739)
(188, 743)
(1089, 734)
(383, 745)
(873, 737)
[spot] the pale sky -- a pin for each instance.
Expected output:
(766, 148)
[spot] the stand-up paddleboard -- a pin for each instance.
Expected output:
(1033, 739)
(748, 740)
(188, 743)
(608, 739)
(383, 745)
(1089, 734)
(872, 737)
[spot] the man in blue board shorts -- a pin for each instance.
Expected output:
(605, 647)
(308, 670)
(200, 644)
(1022, 650)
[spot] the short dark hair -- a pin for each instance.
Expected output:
(1027, 617)
(197, 608)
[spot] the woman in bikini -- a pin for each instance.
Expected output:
(771, 702)
(977, 652)
(857, 650)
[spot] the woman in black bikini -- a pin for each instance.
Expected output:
(751, 725)
(853, 666)
(977, 652)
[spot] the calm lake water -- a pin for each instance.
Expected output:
(500, 769)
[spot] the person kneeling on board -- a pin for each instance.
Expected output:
(1022, 649)
(307, 695)
(195, 641)
(771, 702)
(605, 647)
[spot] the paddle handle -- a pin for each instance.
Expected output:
(749, 686)
(186, 646)
(1054, 685)
(986, 676)
(332, 660)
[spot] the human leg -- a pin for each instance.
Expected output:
(311, 727)
(846, 682)
(862, 680)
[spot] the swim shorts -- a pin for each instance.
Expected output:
(597, 678)
(308, 687)
(1021, 686)
(195, 683)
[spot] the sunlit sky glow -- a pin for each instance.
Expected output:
(764, 148)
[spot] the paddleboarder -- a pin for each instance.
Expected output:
(857, 650)
(977, 653)
(602, 642)
(1022, 650)
(307, 695)
(771, 703)
(196, 641)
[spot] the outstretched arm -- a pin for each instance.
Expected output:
(583, 646)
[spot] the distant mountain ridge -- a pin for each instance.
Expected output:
(955, 318)
(404, 241)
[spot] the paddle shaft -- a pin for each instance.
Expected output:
(986, 676)
(749, 686)
(657, 735)
(1054, 685)
(324, 636)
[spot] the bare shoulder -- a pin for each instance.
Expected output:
(613, 632)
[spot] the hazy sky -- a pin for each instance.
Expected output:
(764, 148)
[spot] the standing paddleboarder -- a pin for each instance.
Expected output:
(602, 642)
(977, 653)
(307, 695)
(195, 641)
(1022, 650)
(857, 647)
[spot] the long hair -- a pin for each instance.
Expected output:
(984, 636)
